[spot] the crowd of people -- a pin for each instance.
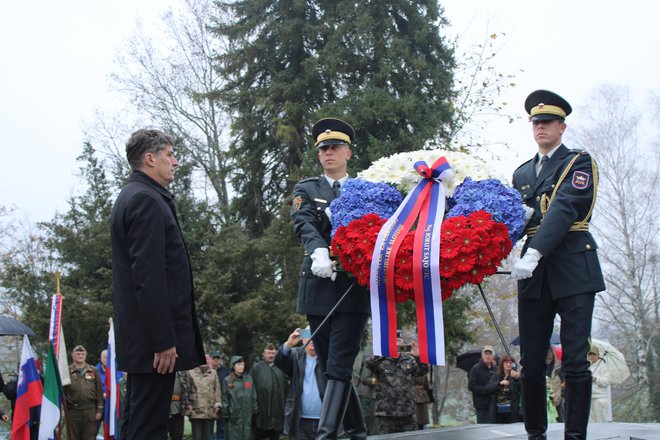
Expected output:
(159, 342)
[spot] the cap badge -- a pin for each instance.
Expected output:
(541, 105)
(328, 131)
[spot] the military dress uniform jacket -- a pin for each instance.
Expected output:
(316, 296)
(153, 294)
(569, 257)
(85, 391)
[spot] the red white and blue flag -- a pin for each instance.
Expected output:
(424, 206)
(56, 338)
(112, 376)
(28, 393)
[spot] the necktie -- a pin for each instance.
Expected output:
(336, 188)
(544, 159)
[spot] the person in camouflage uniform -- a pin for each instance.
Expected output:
(394, 388)
(203, 400)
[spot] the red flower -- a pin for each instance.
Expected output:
(248, 385)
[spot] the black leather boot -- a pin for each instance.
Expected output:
(578, 404)
(535, 410)
(354, 425)
(335, 400)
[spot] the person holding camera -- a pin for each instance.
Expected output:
(303, 404)
(394, 389)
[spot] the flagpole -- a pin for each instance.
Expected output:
(64, 406)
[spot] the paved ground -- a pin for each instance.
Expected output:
(597, 431)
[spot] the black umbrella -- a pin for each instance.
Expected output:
(554, 339)
(465, 361)
(12, 327)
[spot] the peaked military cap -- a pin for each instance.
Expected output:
(332, 131)
(542, 105)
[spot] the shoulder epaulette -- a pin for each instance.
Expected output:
(524, 163)
(309, 179)
(579, 151)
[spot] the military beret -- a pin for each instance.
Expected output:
(332, 131)
(546, 105)
(79, 348)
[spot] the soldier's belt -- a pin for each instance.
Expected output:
(176, 397)
(575, 227)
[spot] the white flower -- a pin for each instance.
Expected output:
(399, 170)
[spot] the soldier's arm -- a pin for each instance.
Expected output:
(306, 219)
(100, 398)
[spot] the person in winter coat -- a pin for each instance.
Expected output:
(270, 384)
(303, 405)
(506, 407)
(203, 401)
(239, 401)
(482, 382)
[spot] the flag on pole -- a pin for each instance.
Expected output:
(28, 393)
(52, 398)
(112, 407)
(56, 337)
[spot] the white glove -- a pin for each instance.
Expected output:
(321, 263)
(328, 213)
(524, 268)
(529, 212)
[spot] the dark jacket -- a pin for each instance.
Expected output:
(293, 364)
(270, 383)
(239, 404)
(570, 258)
(316, 296)
(509, 394)
(152, 280)
(482, 382)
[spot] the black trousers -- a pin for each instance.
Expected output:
(338, 342)
(147, 408)
(536, 318)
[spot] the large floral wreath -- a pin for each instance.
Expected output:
(484, 218)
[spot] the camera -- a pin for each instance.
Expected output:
(405, 348)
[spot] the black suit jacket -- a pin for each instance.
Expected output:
(316, 296)
(152, 280)
(569, 258)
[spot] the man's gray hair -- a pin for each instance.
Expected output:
(145, 141)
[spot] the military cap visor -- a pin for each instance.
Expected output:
(543, 105)
(332, 131)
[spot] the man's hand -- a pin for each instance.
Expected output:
(294, 338)
(164, 361)
(321, 263)
(414, 349)
(524, 268)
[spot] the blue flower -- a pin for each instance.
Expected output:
(359, 198)
(501, 201)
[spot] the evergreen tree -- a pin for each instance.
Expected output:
(382, 65)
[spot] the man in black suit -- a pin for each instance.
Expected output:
(156, 326)
(559, 272)
(338, 342)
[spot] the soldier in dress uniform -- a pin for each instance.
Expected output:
(338, 341)
(559, 272)
(84, 397)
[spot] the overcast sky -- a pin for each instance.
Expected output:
(56, 57)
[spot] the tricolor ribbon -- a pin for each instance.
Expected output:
(424, 205)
